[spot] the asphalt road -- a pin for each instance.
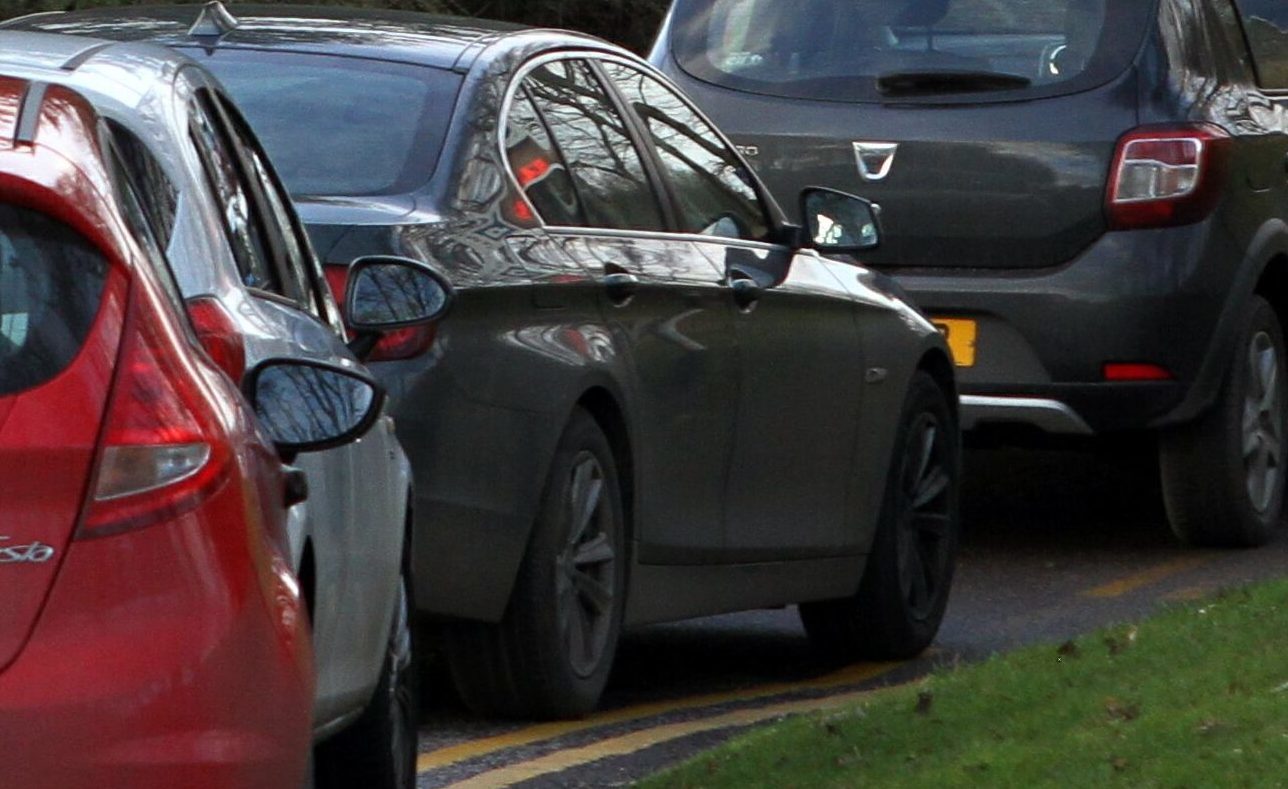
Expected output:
(1056, 544)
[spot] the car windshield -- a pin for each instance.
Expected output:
(340, 126)
(874, 50)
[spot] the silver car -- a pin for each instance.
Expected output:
(243, 264)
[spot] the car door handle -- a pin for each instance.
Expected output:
(621, 286)
(746, 292)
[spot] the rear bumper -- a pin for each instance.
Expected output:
(1043, 339)
(172, 656)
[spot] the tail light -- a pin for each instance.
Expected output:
(161, 451)
(395, 345)
(219, 335)
(1167, 176)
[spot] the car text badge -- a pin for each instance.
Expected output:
(33, 553)
(875, 159)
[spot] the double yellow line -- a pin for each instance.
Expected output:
(635, 741)
(630, 743)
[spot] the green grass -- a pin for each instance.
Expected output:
(1196, 697)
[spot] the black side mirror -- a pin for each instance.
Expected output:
(839, 222)
(388, 293)
(308, 406)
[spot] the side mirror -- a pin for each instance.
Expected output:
(388, 293)
(309, 406)
(839, 222)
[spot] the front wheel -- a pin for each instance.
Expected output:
(904, 591)
(1223, 475)
(550, 655)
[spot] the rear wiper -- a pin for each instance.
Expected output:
(904, 83)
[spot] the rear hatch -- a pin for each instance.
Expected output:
(985, 130)
(60, 326)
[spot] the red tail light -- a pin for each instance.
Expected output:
(218, 335)
(400, 344)
(1166, 176)
(161, 452)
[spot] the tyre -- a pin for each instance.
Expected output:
(1223, 475)
(904, 590)
(378, 750)
(550, 655)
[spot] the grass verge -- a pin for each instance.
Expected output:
(1197, 696)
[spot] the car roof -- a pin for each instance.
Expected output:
(411, 37)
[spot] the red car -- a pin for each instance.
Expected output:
(151, 631)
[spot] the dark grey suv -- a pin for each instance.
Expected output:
(1089, 196)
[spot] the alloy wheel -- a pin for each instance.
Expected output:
(923, 544)
(586, 568)
(1263, 422)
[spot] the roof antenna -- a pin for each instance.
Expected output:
(214, 21)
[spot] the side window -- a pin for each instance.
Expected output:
(604, 165)
(1265, 23)
(714, 190)
(250, 246)
(538, 167)
(279, 218)
(148, 200)
(148, 178)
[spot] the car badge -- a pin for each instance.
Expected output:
(875, 159)
(34, 553)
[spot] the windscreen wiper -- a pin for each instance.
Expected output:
(910, 83)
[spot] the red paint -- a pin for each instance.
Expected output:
(172, 649)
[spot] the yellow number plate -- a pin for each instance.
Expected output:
(961, 335)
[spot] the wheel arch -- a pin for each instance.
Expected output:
(607, 411)
(1263, 271)
(940, 367)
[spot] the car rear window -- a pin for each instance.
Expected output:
(878, 50)
(51, 283)
(340, 126)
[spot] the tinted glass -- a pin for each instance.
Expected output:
(538, 167)
(337, 125)
(837, 49)
(250, 247)
(51, 283)
(148, 178)
(711, 184)
(591, 134)
(1266, 24)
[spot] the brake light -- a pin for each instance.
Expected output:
(218, 335)
(405, 343)
(1166, 176)
(161, 454)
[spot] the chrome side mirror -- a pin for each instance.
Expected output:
(388, 293)
(839, 222)
(309, 406)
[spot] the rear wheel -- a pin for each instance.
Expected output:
(1223, 475)
(550, 655)
(379, 749)
(904, 591)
